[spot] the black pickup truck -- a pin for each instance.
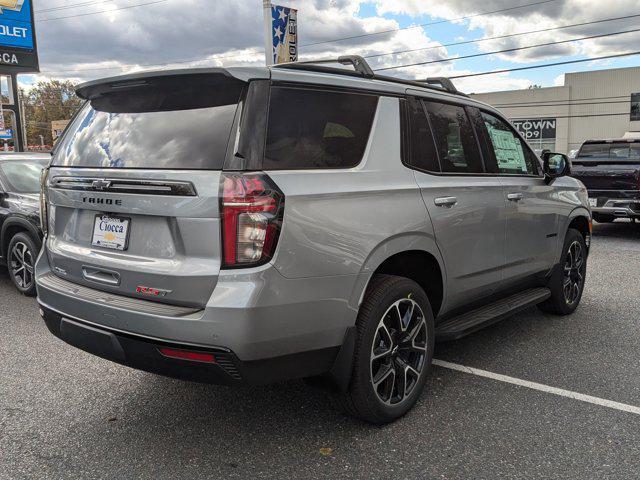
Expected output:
(610, 169)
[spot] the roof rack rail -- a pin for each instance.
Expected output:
(443, 83)
(362, 68)
(359, 64)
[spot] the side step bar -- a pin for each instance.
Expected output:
(457, 327)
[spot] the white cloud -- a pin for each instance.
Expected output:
(188, 33)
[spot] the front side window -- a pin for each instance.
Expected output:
(512, 154)
(309, 129)
(454, 137)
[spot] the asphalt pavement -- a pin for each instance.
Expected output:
(67, 414)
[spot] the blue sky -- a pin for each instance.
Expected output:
(452, 32)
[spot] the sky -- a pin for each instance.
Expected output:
(82, 40)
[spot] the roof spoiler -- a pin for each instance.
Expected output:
(167, 78)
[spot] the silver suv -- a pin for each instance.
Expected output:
(248, 225)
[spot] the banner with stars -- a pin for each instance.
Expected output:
(282, 25)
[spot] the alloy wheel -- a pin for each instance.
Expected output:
(21, 262)
(573, 279)
(398, 352)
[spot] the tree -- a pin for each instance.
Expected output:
(45, 102)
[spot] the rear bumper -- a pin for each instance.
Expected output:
(144, 354)
(257, 319)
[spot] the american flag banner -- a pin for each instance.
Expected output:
(282, 39)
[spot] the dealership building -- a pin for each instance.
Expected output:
(603, 104)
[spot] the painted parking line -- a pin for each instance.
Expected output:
(623, 407)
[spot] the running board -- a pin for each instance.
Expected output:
(457, 327)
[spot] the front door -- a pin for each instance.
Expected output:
(466, 206)
(531, 206)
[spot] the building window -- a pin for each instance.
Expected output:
(635, 107)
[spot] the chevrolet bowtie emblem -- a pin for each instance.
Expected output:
(100, 184)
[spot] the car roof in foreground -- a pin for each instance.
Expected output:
(35, 156)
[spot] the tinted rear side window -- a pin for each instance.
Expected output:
(317, 129)
(155, 129)
(455, 139)
(422, 153)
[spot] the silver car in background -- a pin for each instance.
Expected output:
(249, 225)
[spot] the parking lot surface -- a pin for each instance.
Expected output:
(67, 414)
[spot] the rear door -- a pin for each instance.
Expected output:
(466, 206)
(532, 207)
(134, 189)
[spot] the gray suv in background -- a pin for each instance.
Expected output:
(248, 225)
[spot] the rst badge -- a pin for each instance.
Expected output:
(152, 292)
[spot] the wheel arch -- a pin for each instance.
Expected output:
(415, 256)
(579, 219)
(15, 225)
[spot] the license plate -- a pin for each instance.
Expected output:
(110, 232)
(593, 202)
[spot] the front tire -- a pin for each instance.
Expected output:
(393, 352)
(21, 261)
(567, 281)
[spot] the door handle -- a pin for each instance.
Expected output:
(515, 197)
(445, 201)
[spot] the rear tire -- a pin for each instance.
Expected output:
(21, 261)
(568, 279)
(393, 351)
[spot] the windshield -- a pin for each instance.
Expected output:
(23, 176)
(157, 128)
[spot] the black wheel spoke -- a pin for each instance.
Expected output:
(398, 351)
(573, 280)
(21, 263)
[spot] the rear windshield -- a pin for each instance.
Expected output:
(184, 129)
(23, 176)
(610, 150)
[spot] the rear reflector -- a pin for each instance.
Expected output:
(188, 355)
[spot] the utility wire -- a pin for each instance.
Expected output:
(514, 49)
(101, 11)
(498, 37)
(73, 5)
(559, 100)
(449, 20)
(545, 65)
(564, 104)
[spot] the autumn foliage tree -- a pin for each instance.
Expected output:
(47, 101)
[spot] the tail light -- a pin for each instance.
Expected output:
(44, 214)
(251, 209)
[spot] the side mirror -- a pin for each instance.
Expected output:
(555, 165)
